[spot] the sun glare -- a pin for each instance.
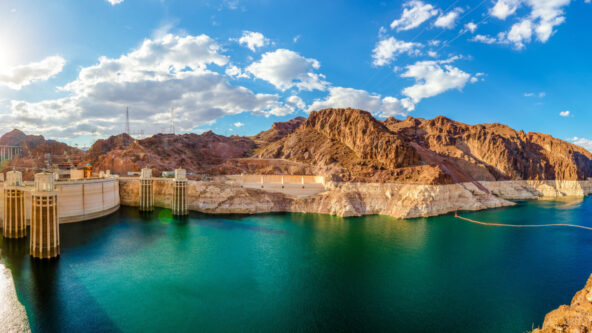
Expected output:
(5, 55)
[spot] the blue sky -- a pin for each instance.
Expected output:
(69, 68)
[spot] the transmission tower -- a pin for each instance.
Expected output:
(172, 121)
(127, 126)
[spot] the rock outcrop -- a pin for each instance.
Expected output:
(196, 153)
(345, 200)
(351, 145)
(278, 131)
(13, 316)
(576, 317)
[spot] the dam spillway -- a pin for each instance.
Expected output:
(45, 228)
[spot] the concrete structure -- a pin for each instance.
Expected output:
(294, 185)
(179, 204)
(45, 230)
(8, 152)
(14, 224)
(80, 200)
(76, 174)
(87, 199)
(146, 190)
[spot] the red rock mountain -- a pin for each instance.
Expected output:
(351, 145)
(196, 153)
(278, 131)
(347, 145)
(33, 153)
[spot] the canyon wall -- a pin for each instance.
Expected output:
(356, 199)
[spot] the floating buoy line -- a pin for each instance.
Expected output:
(521, 225)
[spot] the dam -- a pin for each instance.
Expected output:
(50, 201)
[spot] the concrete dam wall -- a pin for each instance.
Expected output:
(78, 200)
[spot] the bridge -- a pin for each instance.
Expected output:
(9, 152)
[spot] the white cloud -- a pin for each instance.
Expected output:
(504, 8)
(386, 50)
(296, 38)
(238, 124)
(448, 21)
(160, 74)
(433, 78)
(520, 33)
(533, 94)
(582, 142)
(483, 39)
(296, 102)
(544, 16)
(253, 40)
(414, 14)
(565, 113)
(472, 27)
(340, 97)
(286, 69)
(20, 76)
(114, 2)
(235, 72)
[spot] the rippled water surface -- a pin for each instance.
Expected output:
(306, 272)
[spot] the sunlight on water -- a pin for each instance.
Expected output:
(135, 272)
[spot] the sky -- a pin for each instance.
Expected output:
(69, 69)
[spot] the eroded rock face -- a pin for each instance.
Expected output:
(573, 318)
(357, 199)
(165, 152)
(347, 199)
(351, 145)
(278, 131)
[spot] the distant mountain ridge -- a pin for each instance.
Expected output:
(351, 145)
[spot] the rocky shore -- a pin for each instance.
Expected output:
(13, 317)
(357, 199)
(576, 317)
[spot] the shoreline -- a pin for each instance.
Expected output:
(12, 311)
(401, 201)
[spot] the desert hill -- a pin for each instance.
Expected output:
(342, 144)
(351, 145)
(34, 149)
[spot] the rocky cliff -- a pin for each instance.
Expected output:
(576, 317)
(351, 145)
(356, 199)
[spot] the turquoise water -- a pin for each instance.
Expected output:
(306, 272)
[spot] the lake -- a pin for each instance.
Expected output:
(304, 272)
